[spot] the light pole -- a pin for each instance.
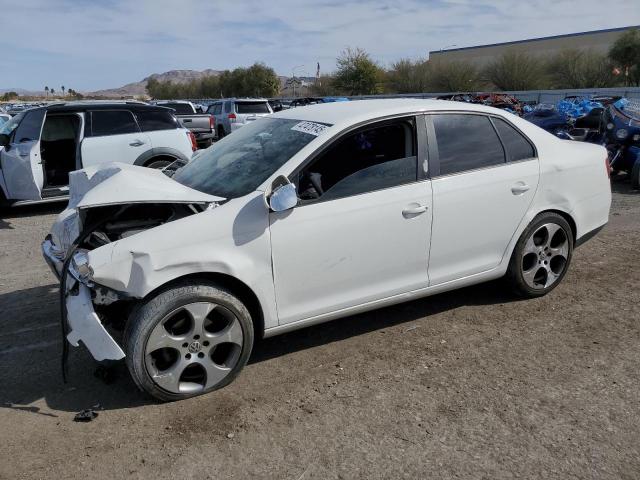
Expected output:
(293, 78)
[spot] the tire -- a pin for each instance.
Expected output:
(635, 175)
(205, 144)
(220, 132)
(158, 163)
(187, 340)
(541, 257)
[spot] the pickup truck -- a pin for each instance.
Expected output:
(202, 125)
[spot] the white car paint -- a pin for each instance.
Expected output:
(325, 260)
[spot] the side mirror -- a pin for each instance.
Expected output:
(282, 195)
(4, 140)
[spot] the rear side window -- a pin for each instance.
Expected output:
(466, 142)
(216, 109)
(30, 126)
(252, 107)
(112, 122)
(517, 147)
(227, 107)
(151, 121)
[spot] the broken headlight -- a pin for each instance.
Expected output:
(80, 268)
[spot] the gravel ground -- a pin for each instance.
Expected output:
(469, 384)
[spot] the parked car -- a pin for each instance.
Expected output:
(42, 145)
(233, 113)
(310, 215)
(202, 125)
(4, 118)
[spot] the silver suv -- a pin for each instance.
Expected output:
(233, 113)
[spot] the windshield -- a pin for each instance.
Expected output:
(240, 162)
(252, 107)
(11, 125)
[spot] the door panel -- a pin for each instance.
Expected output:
(125, 148)
(475, 215)
(21, 162)
(345, 252)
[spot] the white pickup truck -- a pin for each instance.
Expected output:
(40, 146)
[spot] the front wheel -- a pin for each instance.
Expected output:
(542, 256)
(187, 341)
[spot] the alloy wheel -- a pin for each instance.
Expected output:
(194, 347)
(545, 256)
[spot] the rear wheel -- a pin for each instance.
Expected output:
(220, 132)
(635, 175)
(541, 256)
(188, 340)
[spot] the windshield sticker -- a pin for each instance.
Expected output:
(311, 128)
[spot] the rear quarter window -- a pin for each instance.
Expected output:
(516, 145)
(152, 121)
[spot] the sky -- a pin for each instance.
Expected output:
(93, 44)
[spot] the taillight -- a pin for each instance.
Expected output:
(212, 122)
(194, 142)
(232, 117)
(607, 165)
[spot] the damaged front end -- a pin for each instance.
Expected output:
(107, 205)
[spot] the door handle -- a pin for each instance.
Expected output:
(520, 188)
(415, 209)
(137, 143)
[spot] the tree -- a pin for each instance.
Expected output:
(515, 70)
(53, 91)
(8, 96)
(324, 86)
(625, 53)
(46, 91)
(357, 73)
(62, 88)
(453, 77)
(580, 69)
(407, 76)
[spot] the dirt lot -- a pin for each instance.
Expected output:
(469, 384)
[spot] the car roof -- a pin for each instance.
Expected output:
(84, 106)
(361, 110)
(244, 99)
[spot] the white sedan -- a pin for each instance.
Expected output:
(310, 215)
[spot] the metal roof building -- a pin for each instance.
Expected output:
(597, 40)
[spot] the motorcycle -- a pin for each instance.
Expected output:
(622, 137)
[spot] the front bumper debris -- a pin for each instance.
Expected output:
(85, 326)
(55, 263)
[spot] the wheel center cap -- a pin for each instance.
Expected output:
(195, 347)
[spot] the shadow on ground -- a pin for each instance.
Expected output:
(38, 338)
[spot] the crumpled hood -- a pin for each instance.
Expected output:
(120, 183)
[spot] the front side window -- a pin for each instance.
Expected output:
(29, 128)
(154, 120)
(112, 122)
(373, 158)
(466, 142)
(517, 147)
(238, 164)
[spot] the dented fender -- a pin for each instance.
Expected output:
(231, 239)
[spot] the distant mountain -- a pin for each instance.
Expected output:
(139, 88)
(21, 91)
